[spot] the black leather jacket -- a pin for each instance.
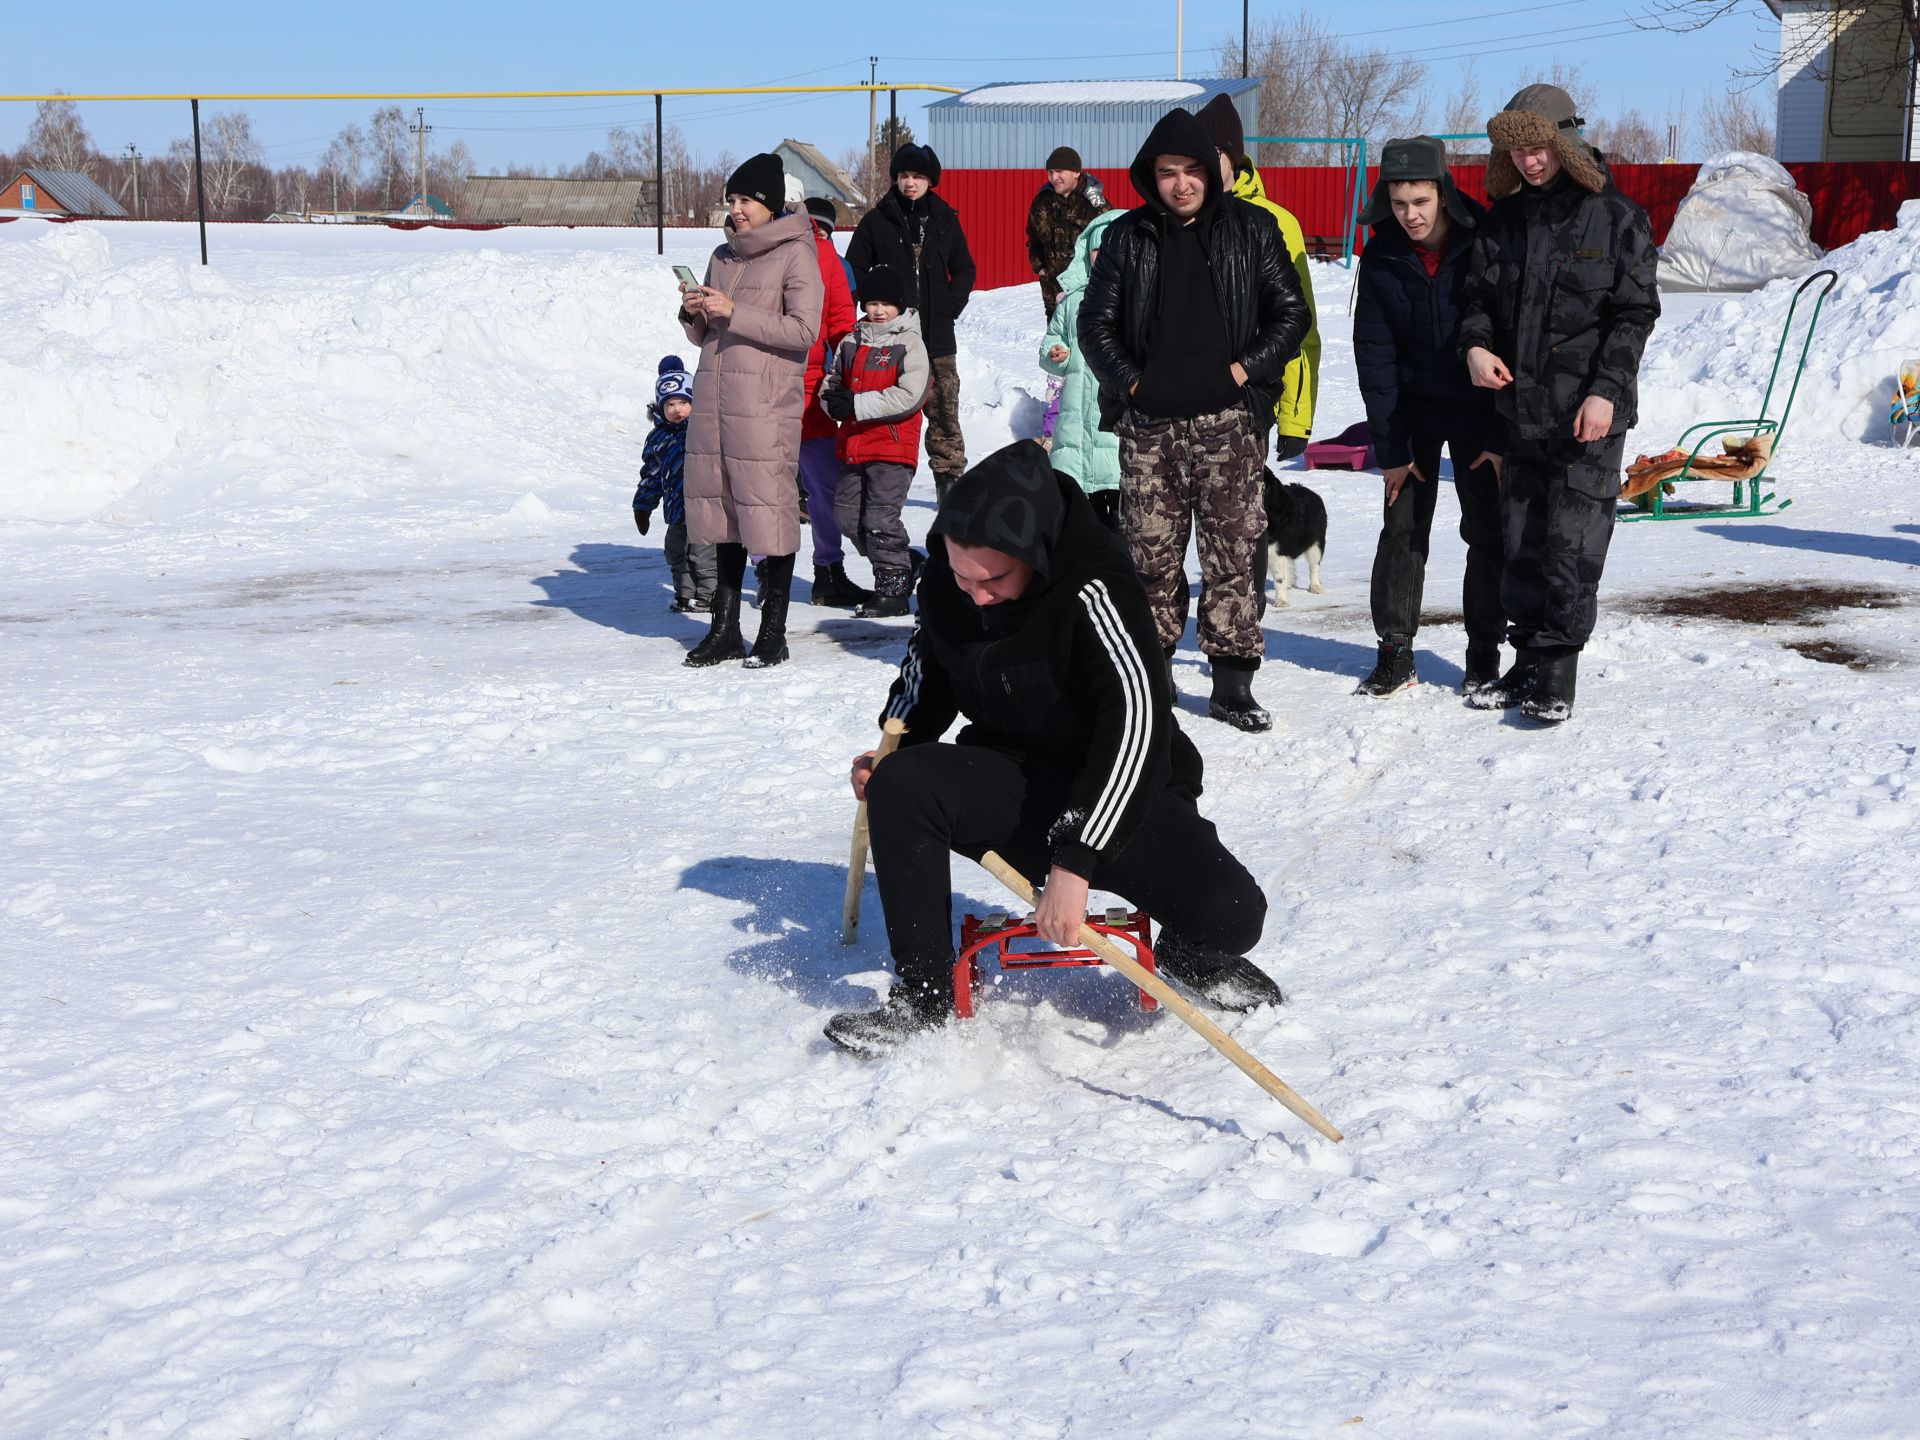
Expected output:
(1266, 316)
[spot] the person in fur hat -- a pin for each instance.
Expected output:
(1420, 398)
(1560, 301)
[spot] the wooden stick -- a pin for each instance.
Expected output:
(1148, 981)
(890, 734)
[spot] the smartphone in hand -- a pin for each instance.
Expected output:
(688, 280)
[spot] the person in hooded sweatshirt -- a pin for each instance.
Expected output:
(1189, 321)
(1033, 627)
(920, 236)
(1560, 301)
(1419, 398)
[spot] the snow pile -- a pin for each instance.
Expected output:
(1743, 223)
(1716, 365)
(328, 365)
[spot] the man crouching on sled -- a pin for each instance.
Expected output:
(1033, 626)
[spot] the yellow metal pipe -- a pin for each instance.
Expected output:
(505, 94)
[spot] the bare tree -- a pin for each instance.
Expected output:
(1629, 140)
(1466, 115)
(1290, 55)
(1871, 47)
(58, 138)
(1370, 92)
(230, 152)
(180, 172)
(1732, 121)
(341, 168)
(391, 149)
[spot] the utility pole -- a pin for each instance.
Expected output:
(133, 152)
(1245, 37)
(421, 129)
(873, 123)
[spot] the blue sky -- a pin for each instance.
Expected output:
(353, 45)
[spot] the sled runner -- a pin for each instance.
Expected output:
(993, 937)
(1746, 447)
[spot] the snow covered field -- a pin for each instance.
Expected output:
(415, 976)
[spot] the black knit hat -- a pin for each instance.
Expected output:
(1064, 157)
(823, 212)
(763, 178)
(1010, 502)
(1222, 122)
(1420, 158)
(918, 158)
(885, 284)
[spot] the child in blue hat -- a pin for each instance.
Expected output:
(696, 568)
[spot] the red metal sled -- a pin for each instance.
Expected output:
(994, 935)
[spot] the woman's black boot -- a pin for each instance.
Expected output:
(770, 645)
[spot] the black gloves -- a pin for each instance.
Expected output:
(837, 402)
(642, 519)
(1289, 447)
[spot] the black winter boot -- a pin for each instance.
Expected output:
(942, 484)
(723, 640)
(911, 1009)
(1392, 670)
(1551, 699)
(1483, 669)
(1511, 688)
(1232, 699)
(776, 581)
(891, 586)
(1226, 982)
(1167, 651)
(832, 587)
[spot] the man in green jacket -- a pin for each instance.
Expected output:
(1301, 388)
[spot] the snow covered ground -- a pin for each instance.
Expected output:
(415, 976)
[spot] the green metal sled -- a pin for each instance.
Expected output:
(1749, 499)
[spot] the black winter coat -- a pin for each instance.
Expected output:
(940, 285)
(1070, 675)
(1405, 334)
(1560, 285)
(1254, 280)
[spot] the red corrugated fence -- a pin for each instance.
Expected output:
(1848, 200)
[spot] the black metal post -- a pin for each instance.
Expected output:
(893, 123)
(1244, 37)
(659, 177)
(199, 182)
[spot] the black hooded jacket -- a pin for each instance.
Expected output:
(1067, 675)
(1254, 283)
(1405, 326)
(1560, 285)
(940, 285)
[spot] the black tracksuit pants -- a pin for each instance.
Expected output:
(929, 801)
(1406, 533)
(1557, 500)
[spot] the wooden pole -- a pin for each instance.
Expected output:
(1148, 981)
(890, 734)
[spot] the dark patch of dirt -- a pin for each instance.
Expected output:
(1839, 652)
(1441, 617)
(1768, 602)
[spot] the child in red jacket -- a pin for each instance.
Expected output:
(875, 389)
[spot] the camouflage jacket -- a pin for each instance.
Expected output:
(1560, 285)
(1054, 222)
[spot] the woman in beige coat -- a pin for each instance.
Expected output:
(754, 320)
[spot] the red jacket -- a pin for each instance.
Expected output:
(836, 320)
(885, 365)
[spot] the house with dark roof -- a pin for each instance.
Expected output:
(59, 192)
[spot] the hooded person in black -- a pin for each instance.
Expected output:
(1188, 323)
(1033, 627)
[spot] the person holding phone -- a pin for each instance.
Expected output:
(755, 317)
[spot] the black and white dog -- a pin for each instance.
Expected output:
(1296, 527)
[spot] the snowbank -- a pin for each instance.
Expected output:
(1715, 366)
